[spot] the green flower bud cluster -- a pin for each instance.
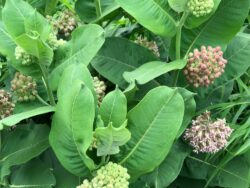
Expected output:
(24, 87)
(151, 45)
(23, 56)
(6, 104)
(53, 42)
(200, 8)
(111, 175)
(64, 22)
(100, 88)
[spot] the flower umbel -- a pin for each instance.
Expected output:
(63, 22)
(205, 66)
(207, 136)
(53, 42)
(23, 56)
(24, 87)
(6, 104)
(200, 8)
(111, 175)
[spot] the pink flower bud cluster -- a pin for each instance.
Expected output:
(204, 66)
(6, 104)
(207, 136)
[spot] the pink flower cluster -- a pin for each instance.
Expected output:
(207, 136)
(205, 66)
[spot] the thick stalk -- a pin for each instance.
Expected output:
(41, 100)
(46, 81)
(98, 8)
(178, 44)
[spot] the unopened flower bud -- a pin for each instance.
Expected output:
(6, 104)
(100, 88)
(204, 66)
(24, 87)
(200, 8)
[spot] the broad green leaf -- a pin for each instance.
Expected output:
(152, 70)
(21, 145)
(20, 17)
(7, 45)
(238, 55)
(72, 126)
(234, 175)
(193, 21)
(109, 139)
(50, 7)
(36, 23)
(154, 124)
(64, 179)
(178, 5)
(86, 9)
(70, 75)
(34, 174)
(7, 48)
(152, 15)
(170, 168)
(17, 118)
(85, 43)
(114, 108)
(219, 29)
(118, 56)
(27, 27)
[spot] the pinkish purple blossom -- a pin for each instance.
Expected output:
(205, 66)
(207, 136)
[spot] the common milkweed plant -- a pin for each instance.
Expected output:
(125, 93)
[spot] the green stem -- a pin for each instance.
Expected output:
(46, 81)
(41, 100)
(178, 44)
(98, 8)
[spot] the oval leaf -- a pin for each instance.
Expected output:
(118, 56)
(114, 108)
(85, 43)
(154, 124)
(152, 70)
(16, 118)
(87, 10)
(21, 145)
(72, 126)
(152, 15)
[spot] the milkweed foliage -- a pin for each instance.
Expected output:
(125, 93)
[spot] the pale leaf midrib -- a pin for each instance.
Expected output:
(149, 127)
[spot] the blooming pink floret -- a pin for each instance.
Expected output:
(207, 136)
